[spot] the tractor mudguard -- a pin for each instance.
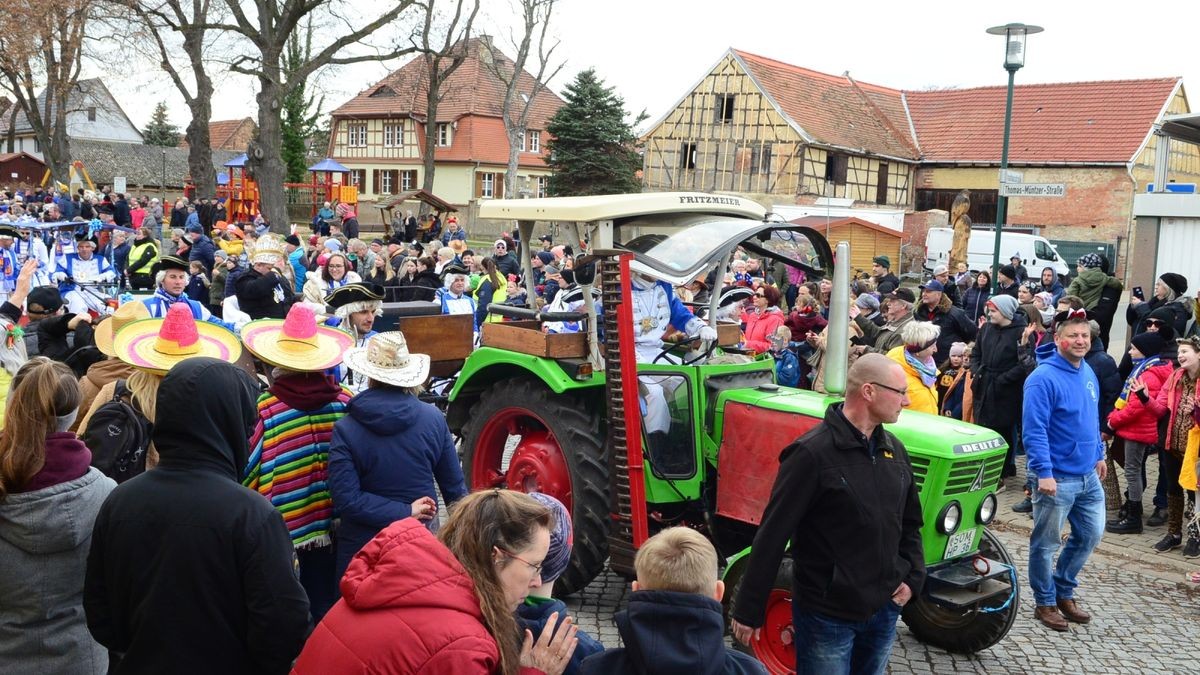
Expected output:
(487, 365)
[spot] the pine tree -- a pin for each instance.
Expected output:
(592, 149)
(160, 131)
(297, 123)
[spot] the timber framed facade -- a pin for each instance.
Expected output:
(729, 134)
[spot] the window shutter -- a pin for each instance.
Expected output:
(395, 181)
(499, 186)
(478, 185)
(375, 176)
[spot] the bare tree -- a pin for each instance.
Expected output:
(190, 24)
(41, 43)
(441, 60)
(521, 90)
(268, 25)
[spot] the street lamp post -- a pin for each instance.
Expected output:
(1014, 57)
(162, 190)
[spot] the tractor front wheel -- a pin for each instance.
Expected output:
(775, 645)
(966, 631)
(522, 436)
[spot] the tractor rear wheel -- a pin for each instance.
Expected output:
(966, 631)
(522, 436)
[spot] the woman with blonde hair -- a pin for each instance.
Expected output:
(493, 289)
(49, 498)
(415, 604)
(915, 356)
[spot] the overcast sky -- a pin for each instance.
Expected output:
(653, 51)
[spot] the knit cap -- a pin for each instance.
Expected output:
(1175, 282)
(868, 302)
(958, 349)
(1089, 261)
(1046, 298)
(1149, 343)
(1008, 271)
(883, 261)
(1005, 304)
(562, 538)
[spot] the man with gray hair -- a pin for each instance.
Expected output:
(941, 274)
(844, 621)
(899, 312)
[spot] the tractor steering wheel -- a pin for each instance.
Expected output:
(671, 347)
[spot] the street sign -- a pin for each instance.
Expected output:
(119, 184)
(1033, 189)
(1010, 176)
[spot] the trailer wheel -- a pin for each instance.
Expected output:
(969, 630)
(522, 436)
(775, 646)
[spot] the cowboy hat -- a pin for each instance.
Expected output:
(385, 358)
(297, 342)
(155, 345)
(126, 314)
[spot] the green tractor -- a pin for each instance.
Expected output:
(559, 413)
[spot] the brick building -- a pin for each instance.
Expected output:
(784, 134)
(232, 135)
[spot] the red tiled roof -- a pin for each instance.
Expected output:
(1077, 122)
(482, 139)
(221, 134)
(471, 90)
(836, 111)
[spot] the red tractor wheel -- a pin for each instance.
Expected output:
(775, 645)
(522, 436)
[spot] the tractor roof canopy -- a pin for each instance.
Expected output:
(617, 207)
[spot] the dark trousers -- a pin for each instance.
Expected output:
(1160, 489)
(826, 645)
(318, 577)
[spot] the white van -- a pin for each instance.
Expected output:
(1035, 251)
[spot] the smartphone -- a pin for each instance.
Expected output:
(1138, 293)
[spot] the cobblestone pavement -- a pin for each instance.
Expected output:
(1138, 615)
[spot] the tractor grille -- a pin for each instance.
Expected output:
(920, 466)
(962, 473)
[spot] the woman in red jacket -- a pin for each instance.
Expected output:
(762, 321)
(412, 604)
(1134, 423)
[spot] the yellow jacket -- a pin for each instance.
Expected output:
(233, 247)
(1187, 475)
(920, 398)
(5, 380)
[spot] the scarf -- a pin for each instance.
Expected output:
(927, 370)
(1140, 366)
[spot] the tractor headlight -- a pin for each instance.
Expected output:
(950, 518)
(987, 509)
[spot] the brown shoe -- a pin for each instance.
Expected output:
(1071, 611)
(1051, 618)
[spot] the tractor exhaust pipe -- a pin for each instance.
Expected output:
(837, 346)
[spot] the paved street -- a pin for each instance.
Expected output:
(1141, 608)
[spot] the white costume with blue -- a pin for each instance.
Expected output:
(94, 269)
(655, 307)
(161, 301)
(34, 248)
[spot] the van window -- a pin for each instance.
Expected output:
(1043, 251)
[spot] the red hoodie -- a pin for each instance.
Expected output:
(407, 607)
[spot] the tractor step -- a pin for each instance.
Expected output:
(961, 598)
(964, 573)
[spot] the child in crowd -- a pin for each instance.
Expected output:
(787, 364)
(674, 622)
(952, 382)
(539, 605)
(197, 288)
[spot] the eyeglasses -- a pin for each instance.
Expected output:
(1155, 322)
(902, 392)
(760, 295)
(536, 568)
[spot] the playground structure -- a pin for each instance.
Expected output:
(77, 177)
(330, 183)
(435, 204)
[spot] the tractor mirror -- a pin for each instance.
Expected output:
(585, 269)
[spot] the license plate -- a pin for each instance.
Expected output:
(960, 543)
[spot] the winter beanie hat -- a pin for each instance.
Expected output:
(1005, 304)
(958, 349)
(1091, 260)
(867, 302)
(1175, 282)
(1149, 343)
(562, 538)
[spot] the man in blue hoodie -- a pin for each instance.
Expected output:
(1061, 432)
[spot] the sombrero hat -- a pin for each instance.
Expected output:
(297, 342)
(155, 345)
(125, 315)
(385, 358)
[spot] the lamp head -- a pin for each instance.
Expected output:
(1014, 42)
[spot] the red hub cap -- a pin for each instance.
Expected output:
(775, 646)
(537, 463)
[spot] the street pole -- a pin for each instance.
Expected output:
(1001, 200)
(162, 188)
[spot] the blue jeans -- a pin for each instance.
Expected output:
(1079, 501)
(825, 644)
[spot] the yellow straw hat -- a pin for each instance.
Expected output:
(125, 315)
(155, 345)
(297, 342)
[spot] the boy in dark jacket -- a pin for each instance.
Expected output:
(674, 622)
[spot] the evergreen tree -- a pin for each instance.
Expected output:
(297, 123)
(593, 150)
(160, 131)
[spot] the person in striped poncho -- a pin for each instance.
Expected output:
(289, 447)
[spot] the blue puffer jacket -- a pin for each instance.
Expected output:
(534, 615)
(384, 455)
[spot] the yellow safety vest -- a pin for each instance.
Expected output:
(136, 253)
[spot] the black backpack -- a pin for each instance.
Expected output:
(118, 436)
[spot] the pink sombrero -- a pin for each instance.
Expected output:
(297, 342)
(155, 345)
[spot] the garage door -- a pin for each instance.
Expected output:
(1178, 245)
